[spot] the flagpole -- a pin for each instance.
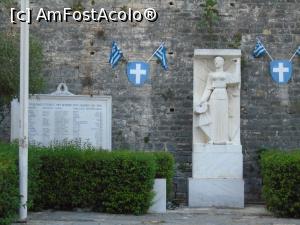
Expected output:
(265, 49)
(155, 52)
(294, 54)
(23, 138)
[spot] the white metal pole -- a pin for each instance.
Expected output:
(265, 49)
(154, 52)
(294, 55)
(269, 55)
(23, 139)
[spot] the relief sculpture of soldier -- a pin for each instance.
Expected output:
(218, 109)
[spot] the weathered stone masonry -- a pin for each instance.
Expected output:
(158, 116)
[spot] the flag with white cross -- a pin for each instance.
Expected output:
(160, 54)
(115, 55)
(298, 51)
(259, 50)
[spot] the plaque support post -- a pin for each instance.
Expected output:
(23, 139)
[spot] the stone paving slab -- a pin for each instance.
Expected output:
(254, 215)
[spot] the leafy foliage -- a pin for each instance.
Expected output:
(236, 41)
(10, 66)
(77, 6)
(66, 177)
(8, 186)
(117, 182)
(165, 168)
(210, 14)
(281, 182)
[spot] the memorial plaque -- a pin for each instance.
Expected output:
(57, 118)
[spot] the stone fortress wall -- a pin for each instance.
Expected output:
(158, 116)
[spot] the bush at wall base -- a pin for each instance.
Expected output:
(8, 186)
(281, 182)
(65, 178)
(114, 182)
(165, 168)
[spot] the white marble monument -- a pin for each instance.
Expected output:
(217, 152)
(159, 203)
(61, 116)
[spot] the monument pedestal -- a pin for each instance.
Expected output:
(217, 176)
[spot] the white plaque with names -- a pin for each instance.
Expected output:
(58, 117)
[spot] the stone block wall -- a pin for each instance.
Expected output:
(158, 116)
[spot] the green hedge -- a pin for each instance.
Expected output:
(281, 182)
(165, 168)
(65, 177)
(115, 182)
(8, 185)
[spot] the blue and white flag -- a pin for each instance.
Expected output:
(115, 55)
(298, 51)
(160, 53)
(259, 50)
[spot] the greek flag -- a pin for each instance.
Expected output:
(259, 50)
(298, 51)
(160, 53)
(115, 55)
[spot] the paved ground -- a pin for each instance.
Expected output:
(252, 215)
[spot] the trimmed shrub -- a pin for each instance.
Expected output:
(281, 182)
(165, 168)
(9, 196)
(115, 182)
(65, 177)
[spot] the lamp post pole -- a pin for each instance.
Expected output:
(24, 89)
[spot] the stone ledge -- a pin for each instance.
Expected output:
(204, 53)
(249, 210)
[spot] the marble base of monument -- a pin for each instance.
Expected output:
(217, 161)
(205, 192)
(217, 176)
(160, 199)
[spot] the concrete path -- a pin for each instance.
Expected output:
(251, 215)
